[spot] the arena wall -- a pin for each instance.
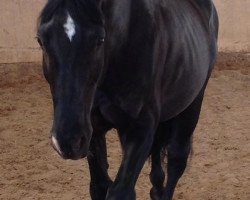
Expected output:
(18, 25)
(234, 35)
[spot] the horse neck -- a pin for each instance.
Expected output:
(117, 20)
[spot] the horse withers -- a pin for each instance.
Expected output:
(139, 66)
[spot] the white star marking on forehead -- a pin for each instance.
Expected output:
(69, 27)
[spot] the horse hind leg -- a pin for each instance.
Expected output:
(177, 161)
(179, 145)
(157, 174)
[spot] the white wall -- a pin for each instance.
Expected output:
(17, 30)
(18, 25)
(234, 25)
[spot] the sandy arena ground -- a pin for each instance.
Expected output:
(30, 168)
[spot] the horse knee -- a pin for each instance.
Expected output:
(98, 191)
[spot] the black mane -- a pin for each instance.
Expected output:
(82, 9)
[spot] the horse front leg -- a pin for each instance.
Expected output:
(136, 144)
(98, 165)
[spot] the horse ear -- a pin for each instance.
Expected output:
(45, 26)
(101, 4)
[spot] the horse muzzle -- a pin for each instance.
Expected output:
(70, 149)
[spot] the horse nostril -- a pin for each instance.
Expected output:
(79, 144)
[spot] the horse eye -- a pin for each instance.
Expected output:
(100, 41)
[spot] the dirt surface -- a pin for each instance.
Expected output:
(30, 168)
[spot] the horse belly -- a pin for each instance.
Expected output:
(182, 86)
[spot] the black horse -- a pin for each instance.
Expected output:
(140, 66)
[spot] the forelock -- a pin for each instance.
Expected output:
(80, 10)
